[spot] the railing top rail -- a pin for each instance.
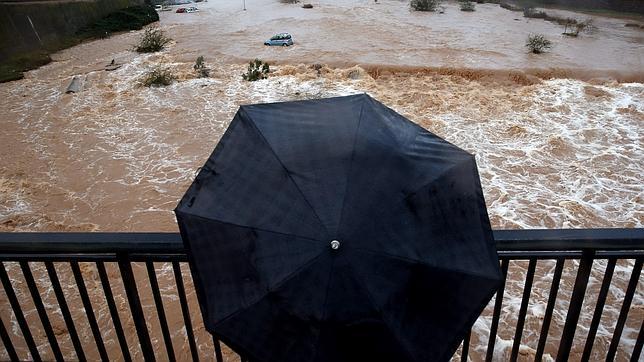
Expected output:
(170, 243)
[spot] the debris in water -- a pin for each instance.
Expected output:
(74, 86)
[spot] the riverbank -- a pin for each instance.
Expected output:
(26, 45)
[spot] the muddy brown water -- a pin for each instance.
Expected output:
(558, 140)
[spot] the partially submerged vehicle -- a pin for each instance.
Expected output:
(283, 39)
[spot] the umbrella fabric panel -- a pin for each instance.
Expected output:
(314, 142)
(243, 183)
(237, 266)
(393, 158)
(444, 224)
(428, 309)
(322, 314)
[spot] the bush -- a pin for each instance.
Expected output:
(152, 40)
(289, 1)
(538, 43)
(200, 68)
(509, 6)
(534, 13)
(424, 5)
(574, 27)
(256, 70)
(158, 77)
(467, 6)
(307, 6)
(130, 18)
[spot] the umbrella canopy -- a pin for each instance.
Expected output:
(338, 230)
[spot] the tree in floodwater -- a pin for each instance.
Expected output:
(424, 5)
(538, 43)
(200, 68)
(573, 27)
(158, 77)
(467, 5)
(256, 70)
(152, 40)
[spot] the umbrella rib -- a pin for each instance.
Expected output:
(410, 260)
(353, 152)
(307, 238)
(278, 285)
(250, 120)
(382, 318)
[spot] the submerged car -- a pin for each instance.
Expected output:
(283, 39)
(181, 10)
(192, 9)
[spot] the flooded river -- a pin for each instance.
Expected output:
(558, 137)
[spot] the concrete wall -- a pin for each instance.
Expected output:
(29, 26)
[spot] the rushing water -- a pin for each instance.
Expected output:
(552, 153)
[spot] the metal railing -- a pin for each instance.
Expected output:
(609, 247)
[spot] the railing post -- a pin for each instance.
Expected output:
(576, 301)
(135, 305)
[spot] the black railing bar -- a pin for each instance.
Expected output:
(159, 258)
(132, 293)
(552, 298)
(158, 302)
(466, 346)
(91, 242)
(89, 310)
(497, 312)
(546, 255)
(637, 350)
(17, 311)
(527, 289)
(178, 277)
(574, 308)
(64, 309)
(54, 257)
(599, 308)
(116, 319)
(217, 345)
(623, 313)
(569, 239)
(630, 254)
(88, 257)
(40, 308)
(8, 345)
(522, 255)
(506, 240)
(527, 255)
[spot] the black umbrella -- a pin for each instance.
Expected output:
(338, 230)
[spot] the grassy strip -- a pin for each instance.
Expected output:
(130, 18)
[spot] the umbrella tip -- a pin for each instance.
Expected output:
(335, 245)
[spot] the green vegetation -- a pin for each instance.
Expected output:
(574, 27)
(510, 6)
(424, 5)
(131, 18)
(13, 68)
(538, 43)
(200, 68)
(158, 77)
(531, 12)
(152, 40)
(256, 70)
(467, 5)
